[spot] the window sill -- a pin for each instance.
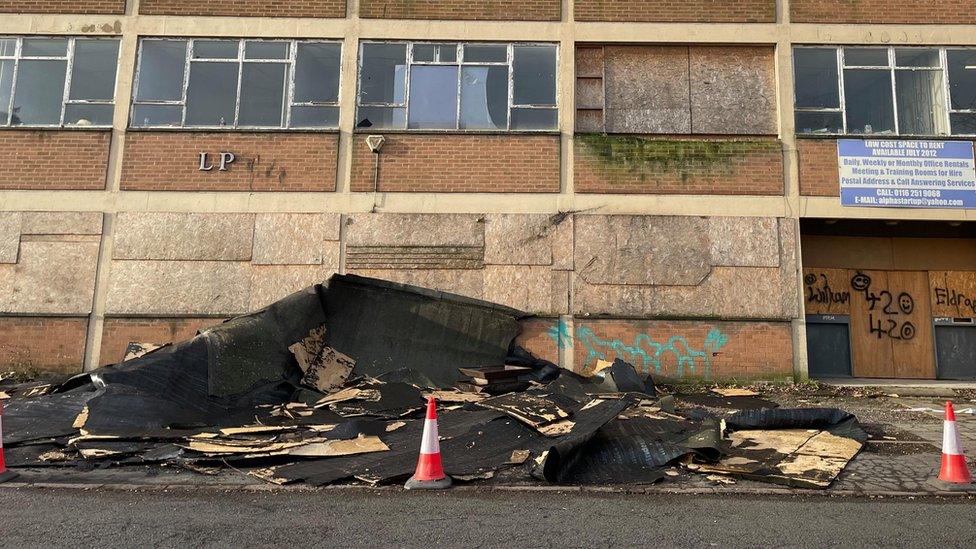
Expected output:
(56, 128)
(234, 130)
(833, 136)
(368, 131)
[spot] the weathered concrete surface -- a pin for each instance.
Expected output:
(293, 239)
(647, 89)
(641, 250)
(533, 289)
(467, 282)
(733, 90)
(269, 283)
(727, 292)
(10, 223)
(61, 223)
(50, 277)
(184, 236)
(789, 265)
(414, 230)
(744, 241)
(513, 239)
(179, 287)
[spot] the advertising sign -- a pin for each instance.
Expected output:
(906, 173)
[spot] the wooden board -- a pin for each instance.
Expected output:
(953, 293)
(871, 352)
(914, 356)
(891, 325)
(826, 291)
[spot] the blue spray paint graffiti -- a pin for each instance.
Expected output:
(644, 352)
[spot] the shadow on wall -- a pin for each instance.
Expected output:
(644, 353)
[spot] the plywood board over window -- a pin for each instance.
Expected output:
(676, 90)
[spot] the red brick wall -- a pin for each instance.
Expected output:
(459, 163)
(646, 165)
(245, 8)
(269, 161)
(497, 10)
(49, 160)
(118, 332)
(692, 11)
(62, 6)
(944, 12)
(43, 344)
(818, 167)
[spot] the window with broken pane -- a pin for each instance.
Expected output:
(912, 91)
(452, 86)
(57, 81)
(227, 84)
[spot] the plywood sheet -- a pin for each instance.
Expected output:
(891, 325)
(871, 353)
(953, 293)
(826, 291)
(913, 352)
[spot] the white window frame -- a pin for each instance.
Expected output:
(241, 60)
(892, 68)
(460, 63)
(69, 58)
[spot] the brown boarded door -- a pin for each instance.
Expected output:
(891, 325)
(913, 349)
(871, 351)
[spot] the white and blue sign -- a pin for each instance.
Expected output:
(906, 174)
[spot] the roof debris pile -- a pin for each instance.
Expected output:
(329, 385)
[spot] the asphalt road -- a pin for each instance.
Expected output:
(33, 517)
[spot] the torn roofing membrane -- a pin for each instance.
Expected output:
(329, 384)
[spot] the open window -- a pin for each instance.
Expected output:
(457, 86)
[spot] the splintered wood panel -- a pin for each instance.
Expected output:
(913, 351)
(827, 291)
(871, 352)
(953, 293)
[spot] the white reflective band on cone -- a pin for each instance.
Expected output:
(950, 439)
(430, 444)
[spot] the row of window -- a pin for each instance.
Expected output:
(219, 83)
(216, 83)
(893, 91)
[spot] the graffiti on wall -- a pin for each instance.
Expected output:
(885, 310)
(644, 352)
(819, 290)
(954, 298)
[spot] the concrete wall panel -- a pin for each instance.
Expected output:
(744, 241)
(621, 249)
(184, 236)
(179, 288)
(294, 239)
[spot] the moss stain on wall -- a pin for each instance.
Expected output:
(647, 156)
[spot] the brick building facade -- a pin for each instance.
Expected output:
(652, 180)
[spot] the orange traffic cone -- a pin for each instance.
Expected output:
(5, 475)
(953, 461)
(430, 473)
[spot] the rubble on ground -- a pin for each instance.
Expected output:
(329, 384)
